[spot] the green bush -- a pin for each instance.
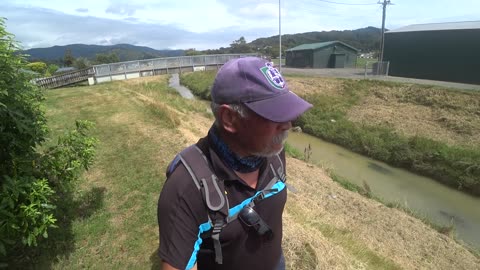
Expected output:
(199, 83)
(38, 67)
(32, 181)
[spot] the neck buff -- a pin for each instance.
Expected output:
(234, 162)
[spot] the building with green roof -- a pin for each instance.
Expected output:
(331, 54)
(436, 51)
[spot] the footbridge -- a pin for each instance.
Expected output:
(139, 68)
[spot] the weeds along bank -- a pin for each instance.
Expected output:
(429, 130)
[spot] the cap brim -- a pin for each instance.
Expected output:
(282, 108)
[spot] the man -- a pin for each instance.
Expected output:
(243, 150)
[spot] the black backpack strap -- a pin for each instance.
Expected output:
(199, 169)
(213, 192)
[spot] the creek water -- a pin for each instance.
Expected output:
(436, 202)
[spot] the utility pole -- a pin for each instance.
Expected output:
(280, 35)
(384, 4)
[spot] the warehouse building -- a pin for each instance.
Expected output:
(439, 51)
(332, 54)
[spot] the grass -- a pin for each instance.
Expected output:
(293, 152)
(344, 239)
(456, 165)
(141, 126)
(199, 83)
(113, 224)
(453, 165)
(448, 230)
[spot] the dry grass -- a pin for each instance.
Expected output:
(450, 116)
(305, 85)
(328, 227)
(351, 224)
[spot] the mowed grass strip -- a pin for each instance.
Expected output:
(116, 226)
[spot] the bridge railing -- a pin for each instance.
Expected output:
(138, 68)
(159, 64)
(65, 78)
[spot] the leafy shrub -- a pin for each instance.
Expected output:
(39, 67)
(29, 178)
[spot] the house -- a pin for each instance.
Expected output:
(331, 54)
(437, 51)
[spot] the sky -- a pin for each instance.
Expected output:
(209, 24)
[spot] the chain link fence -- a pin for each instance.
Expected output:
(376, 69)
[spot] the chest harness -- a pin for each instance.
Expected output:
(213, 190)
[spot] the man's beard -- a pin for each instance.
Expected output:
(269, 150)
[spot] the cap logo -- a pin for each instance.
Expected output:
(273, 76)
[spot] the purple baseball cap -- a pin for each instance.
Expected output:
(257, 84)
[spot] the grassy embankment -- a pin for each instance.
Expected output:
(429, 130)
(141, 125)
(112, 224)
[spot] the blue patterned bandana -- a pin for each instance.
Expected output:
(234, 162)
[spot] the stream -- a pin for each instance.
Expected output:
(436, 202)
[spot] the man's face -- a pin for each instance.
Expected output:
(261, 137)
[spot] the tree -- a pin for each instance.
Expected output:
(30, 179)
(38, 67)
(240, 46)
(51, 70)
(68, 58)
(81, 63)
(104, 58)
(192, 52)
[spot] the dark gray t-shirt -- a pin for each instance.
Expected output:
(182, 216)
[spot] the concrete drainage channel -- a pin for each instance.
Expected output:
(175, 83)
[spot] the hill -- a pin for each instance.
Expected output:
(364, 39)
(125, 52)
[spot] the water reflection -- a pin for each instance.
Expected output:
(379, 168)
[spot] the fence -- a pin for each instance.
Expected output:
(377, 68)
(65, 79)
(151, 67)
(139, 68)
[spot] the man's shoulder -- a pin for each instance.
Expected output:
(179, 174)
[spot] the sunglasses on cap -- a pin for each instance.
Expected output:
(251, 219)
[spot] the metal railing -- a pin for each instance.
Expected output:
(65, 79)
(138, 68)
(166, 64)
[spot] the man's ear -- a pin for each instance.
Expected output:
(228, 118)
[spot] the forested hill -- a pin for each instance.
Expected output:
(365, 39)
(125, 52)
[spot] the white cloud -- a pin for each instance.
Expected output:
(207, 24)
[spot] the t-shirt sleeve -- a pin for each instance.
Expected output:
(181, 213)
